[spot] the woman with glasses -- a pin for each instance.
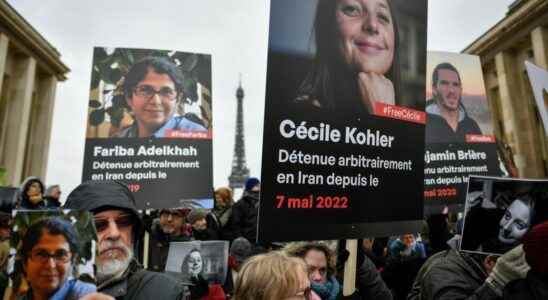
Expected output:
(273, 276)
(152, 88)
(48, 253)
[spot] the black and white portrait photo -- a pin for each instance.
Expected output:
(500, 211)
(199, 259)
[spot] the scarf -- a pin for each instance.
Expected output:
(327, 291)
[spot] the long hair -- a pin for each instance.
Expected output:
(331, 81)
(184, 265)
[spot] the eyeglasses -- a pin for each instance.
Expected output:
(147, 92)
(122, 221)
(59, 256)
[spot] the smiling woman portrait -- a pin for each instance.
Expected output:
(356, 63)
(49, 251)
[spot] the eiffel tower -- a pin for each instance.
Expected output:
(239, 172)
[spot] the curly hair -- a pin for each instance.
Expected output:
(300, 249)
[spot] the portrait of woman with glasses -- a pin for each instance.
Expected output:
(152, 88)
(49, 253)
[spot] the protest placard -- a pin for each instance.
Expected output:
(150, 124)
(344, 120)
(207, 259)
(500, 211)
(459, 132)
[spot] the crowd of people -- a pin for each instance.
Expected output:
(424, 265)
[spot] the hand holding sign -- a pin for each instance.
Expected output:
(373, 88)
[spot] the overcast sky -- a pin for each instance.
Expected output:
(234, 32)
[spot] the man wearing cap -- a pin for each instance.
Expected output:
(119, 228)
(170, 227)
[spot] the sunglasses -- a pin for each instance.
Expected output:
(122, 221)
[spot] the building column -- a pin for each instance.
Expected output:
(4, 41)
(539, 40)
(19, 111)
(41, 133)
(520, 131)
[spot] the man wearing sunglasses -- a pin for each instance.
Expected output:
(119, 231)
(152, 88)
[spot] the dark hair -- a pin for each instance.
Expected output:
(443, 66)
(160, 65)
(53, 226)
(301, 249)
(184, 265)
(331, 81)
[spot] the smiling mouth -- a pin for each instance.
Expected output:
(369, 47)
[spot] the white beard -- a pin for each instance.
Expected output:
(114, 267)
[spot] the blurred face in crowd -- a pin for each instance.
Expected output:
(55, 192)
(48, 264)
(220, 201)
(447, 90)
(515, 222)
(115, 245)
(195, 263)
(34, 189)
(256, 188)
(153, 102)
(408, 240)
(200, 224)
(367, 34)
(317, 265)
(171, 222)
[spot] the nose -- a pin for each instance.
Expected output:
(50, 263)
(316, 276)
(156, 98)
(113, 232)
(371, 24)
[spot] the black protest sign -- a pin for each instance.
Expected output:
(459, 132)
(500, 211)
(149, 124)
(344, 129)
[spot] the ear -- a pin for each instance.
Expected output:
(128, 101)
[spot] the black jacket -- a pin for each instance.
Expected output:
(140, 284)
(450, 275)
(135, 283)
(229, 230)
(244, 216)
(532, 287)
(439, 131)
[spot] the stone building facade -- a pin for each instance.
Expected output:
(522, 35)
(30, 69)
